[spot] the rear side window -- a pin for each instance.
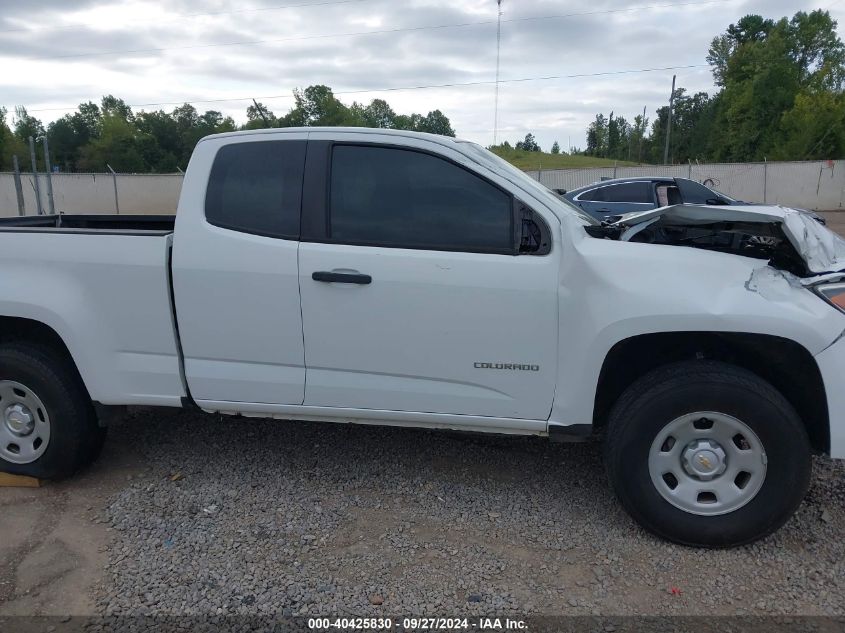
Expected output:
(625, 192)
(257, 188)
(386, 196)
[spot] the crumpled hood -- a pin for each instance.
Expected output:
(821, 249)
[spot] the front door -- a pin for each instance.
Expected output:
(415, 298)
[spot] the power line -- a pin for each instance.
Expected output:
(408, 88)
(378, 32)
(186, 16)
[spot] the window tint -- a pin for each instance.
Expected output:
(589, 196)
(408, 199)
(256, 187)
(625, 192)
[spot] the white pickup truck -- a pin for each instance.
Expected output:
(384, 277)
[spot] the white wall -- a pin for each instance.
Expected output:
(816, 185)
(94, 193)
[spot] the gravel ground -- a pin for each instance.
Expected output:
(244, 516)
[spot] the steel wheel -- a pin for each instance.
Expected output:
(24, 424)
(707, 463)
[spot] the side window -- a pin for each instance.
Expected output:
(395, 197)
(629, 192)
(256, 187)
(591, 195)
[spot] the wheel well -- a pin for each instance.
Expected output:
(787, 365)
(26, 330)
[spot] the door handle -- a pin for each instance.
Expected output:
(341, 278)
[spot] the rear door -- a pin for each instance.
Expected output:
(414, 295)
(235, 272)
(618, 198)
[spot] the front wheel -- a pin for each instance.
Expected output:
(708, 454)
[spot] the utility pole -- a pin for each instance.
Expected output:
(18, 186)
(498, 65)
(48, 170)
(261, 112)
(114, 182)
(669, 122)
(35, 176)
(642, 137)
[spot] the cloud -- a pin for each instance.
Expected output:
(213, 54)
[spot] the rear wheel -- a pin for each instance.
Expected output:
(705, 453)
(48, 426)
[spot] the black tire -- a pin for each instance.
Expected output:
(95, 444)
(75, 436)
(669, 392)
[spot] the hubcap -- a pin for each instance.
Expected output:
(707, 463)
(25, 425)
(704, 459)
(19, 420)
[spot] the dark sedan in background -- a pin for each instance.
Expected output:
(629, 195)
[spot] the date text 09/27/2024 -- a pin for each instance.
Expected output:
(418, 624)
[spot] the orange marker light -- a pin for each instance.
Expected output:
(838, 299)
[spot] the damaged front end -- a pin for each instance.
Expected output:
(789, 240)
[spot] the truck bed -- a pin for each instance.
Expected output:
(101, 283)
(91, 223)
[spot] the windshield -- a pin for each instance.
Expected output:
(520, 178)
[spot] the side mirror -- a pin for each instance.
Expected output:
(534, 236)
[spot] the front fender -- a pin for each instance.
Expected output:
(612, 291)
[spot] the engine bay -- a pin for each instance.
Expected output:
(765, 241)
(791, 240)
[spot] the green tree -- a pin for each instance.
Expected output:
(555, 148)
(10, 145)
(640, 143)
(160, 141)
(378, 114)
(317, 105)
(408, 121)
(724, 48)
(27, 125)
(768, 64)
(597, 137)
(435, 122)
(772, 74)
(69, 134)
(259, 116)
(814, 128)
(529, 144)
(119, 146)
(112, 106)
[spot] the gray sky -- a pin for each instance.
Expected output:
(57, 53)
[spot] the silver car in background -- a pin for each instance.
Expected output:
(610, 198)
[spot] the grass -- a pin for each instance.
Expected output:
(541, 160)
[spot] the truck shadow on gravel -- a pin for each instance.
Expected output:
(246, 516)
